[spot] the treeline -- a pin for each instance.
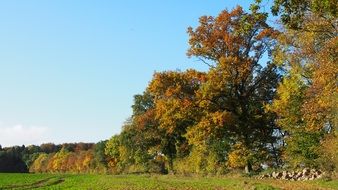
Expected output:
(68, 157)
(269, 98)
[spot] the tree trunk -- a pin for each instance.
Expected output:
(248, 168)
(171, 165)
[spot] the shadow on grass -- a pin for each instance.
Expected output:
(41, 183)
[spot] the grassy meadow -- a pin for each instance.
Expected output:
(102, 182)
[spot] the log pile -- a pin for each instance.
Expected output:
(304, 175)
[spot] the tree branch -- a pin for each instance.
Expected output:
(210, 65)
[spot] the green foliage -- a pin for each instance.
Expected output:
(302, 149)
(99, 151)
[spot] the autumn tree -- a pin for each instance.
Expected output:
(240, 81)
(155, 134)
(142, 137)
(40, 163)
(140, 142)
(145, 132)
(307, 97)
(294, 14)
(175, 109)
(112, 151)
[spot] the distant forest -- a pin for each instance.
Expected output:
(268, 100)
(68, 157)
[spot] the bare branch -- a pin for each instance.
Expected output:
(209, 64)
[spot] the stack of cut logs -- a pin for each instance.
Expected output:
(305, 174)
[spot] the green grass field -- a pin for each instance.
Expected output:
(102, 182)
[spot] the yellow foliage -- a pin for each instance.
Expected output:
(239, 157)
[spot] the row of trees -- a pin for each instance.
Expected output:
(268, 99)
(68, 157)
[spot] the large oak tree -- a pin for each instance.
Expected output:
(241, 81)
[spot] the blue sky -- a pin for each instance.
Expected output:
(69, 69)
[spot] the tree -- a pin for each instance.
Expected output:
(239, 83)
(11, 160)
(307, 98)
(175, 109)
(295, 13)
(50, 147)
(320, 109)
(112, 150)
(140, 142)
(99, 152)
(40, 163)
(142, 138)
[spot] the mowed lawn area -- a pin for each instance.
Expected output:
(102, 182)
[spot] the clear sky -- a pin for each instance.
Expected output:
(69, 69)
